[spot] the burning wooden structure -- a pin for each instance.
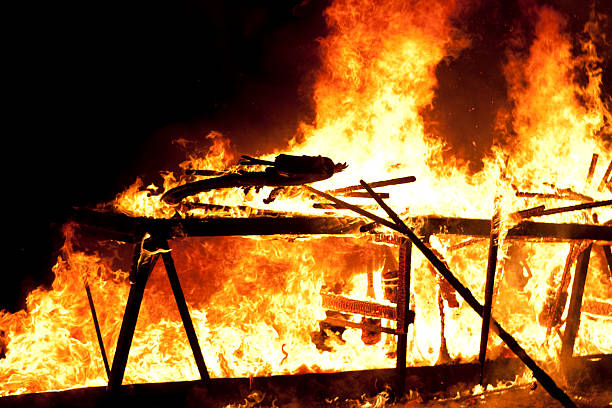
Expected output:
(150, 239)
(379, 76)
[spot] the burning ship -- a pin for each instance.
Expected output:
(362, 258)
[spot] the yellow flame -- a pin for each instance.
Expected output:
(256, 303)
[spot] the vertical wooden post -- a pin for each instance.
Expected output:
(488, 296)
(403, 314)
(179, 296)
(572, 322)
(142, 266)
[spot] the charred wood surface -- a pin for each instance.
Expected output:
(541, 210)
(344, 304)
(391, 182)
(573, 314)
(307, 390)
(181, 303)
(488, 295)
(551, 314)
(565, 194)
(121, 227)
(362, 194)
(465, 243)
(142, 268)
(336, 321)
(592, 168)
(405, 316)
(311, 390)
(94, 316)
(204, 172)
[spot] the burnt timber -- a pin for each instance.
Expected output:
(124, 228)
(312, 390)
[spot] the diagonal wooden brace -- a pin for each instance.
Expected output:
(179, 296)
(146, 255)
(141, 269)
(398, 225)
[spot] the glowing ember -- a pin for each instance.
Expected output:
(256, 302)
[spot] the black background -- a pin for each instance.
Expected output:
(96, 92)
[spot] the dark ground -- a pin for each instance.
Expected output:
(97, 91)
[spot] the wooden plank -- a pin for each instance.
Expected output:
(541, 210)
(124, 228)
(572, 322)
(404, 315)
(384, 183)
(488, 295)
(592, 166)
(179, 296)
(94, 316)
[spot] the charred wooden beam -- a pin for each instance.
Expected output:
(540, 211)
(344, 304)
(336, 321)
(488, 295)
(592, 168)
(605, 180)
(304, 390)
(124, 228)
(197, 172)
(181, 303)
(529, 194)
(547, 382)
(384, 183)
(121, 227)
(404, 313)
(405, 316)
(569, 194)
(329, 206)
(565, 194)
(552, 315)
(573, 314)
(432, 225)
(530, 212)
(370, 337)
(94, 316)
(465, 243)
(141, 269)
(228, 208)
(362, 194)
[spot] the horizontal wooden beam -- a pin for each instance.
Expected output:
(442, 381)
(121, 227)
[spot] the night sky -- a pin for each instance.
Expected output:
(97, 92)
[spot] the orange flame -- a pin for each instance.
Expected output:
(256, 301)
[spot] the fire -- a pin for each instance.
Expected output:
(256, 302)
